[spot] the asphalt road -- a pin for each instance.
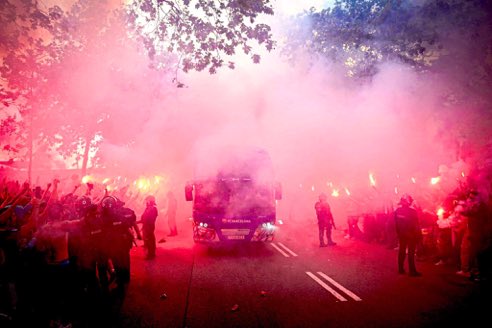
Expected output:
(291, 282)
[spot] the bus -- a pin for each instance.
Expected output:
(234, 197)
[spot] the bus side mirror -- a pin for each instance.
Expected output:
(189, 192)
(278, 191)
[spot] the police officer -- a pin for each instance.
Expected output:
(148, 219)
(325, 221)
(91, 255)
(119, 222)
(479, 234)
(88, 258)
(408, 231)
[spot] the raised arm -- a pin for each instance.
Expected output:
(15, 201)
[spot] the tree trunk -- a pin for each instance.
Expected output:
(30, 145)
(85, 159)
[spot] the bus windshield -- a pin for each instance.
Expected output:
(233, 196)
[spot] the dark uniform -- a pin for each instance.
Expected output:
(408, 231)
(119, 222)
(91, 259)
(479, 234)
(325, 221)
(148, 219)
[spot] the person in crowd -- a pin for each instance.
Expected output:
(444, 244)
(13, 210)
(477, 213)
(120, 223)
(172, 205)
(427, 243)
(10, 204)
(353, 230)
(148, 219)
(408, 231)
(89, 259)
(325, 221)
(460, 240)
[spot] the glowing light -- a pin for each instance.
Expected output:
(335, 193)
(106, 180)
(396, 190)
(440, 212)
(435, 180)
(463, 174)
(143, 184)
(312, 188)
(87, 178)
(347, 191)
(413, 180)
(372, 179)
(157, 179)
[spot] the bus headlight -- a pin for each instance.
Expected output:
(268, 226)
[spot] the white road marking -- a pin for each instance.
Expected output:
(287, 249)
(325, 286)
(280, 251)
(343, 289)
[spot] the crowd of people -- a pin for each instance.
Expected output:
(65, 258)
(464, 234)
(459, 234)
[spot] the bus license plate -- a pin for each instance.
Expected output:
(235, 237)
(235, 232)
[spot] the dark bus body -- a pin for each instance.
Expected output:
(237, 202)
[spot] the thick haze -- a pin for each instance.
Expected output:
(323, 132)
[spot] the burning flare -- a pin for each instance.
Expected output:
(435, 180)
(372, 180)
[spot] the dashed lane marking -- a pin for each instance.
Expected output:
(325, 286)
(280, 251)
(287, 249)
(339, 286)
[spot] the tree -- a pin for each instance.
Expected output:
(199, 34)
(427, 35)
(31, 41)
(445, 40)
(99, 81)
(46, 52)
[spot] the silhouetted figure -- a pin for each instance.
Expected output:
(408, 231)
(478, 234)
(119, 223)
(325, 221)
(148, 219)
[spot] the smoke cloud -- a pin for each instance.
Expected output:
(323, 131)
